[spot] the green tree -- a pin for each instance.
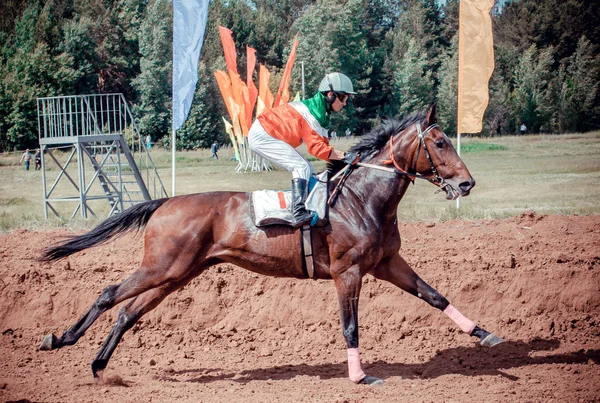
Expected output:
(236, 15)
(115, 35)
(447, 96)
(153, 84)
(331, 40)
(204, 124)
(412, 82)
(78, 43)
(495, 120)
(412, 58)
(578, 106)
(271, 33)
(531, 100)
(556, 23)
(30, 70)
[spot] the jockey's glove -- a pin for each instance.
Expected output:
(351, 158)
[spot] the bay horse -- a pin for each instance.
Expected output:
(185, 235)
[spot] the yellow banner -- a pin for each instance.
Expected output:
(475, 63)
(229, 130)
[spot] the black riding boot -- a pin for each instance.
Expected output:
(300, 216)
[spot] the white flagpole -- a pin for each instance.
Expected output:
(303, 93)
(459, 92)
(458, 151)
(173, 162)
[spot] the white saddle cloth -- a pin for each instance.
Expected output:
(274, 207)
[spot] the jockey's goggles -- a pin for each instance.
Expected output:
(343, 97)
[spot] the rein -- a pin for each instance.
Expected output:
(436, 179)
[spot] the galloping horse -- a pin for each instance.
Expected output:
(185, 235)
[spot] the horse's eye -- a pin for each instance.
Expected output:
(439, 143)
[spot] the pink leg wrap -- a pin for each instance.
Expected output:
(465, 324)
(355, 371)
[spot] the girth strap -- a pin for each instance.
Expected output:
(307, 251)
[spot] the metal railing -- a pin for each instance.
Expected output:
(62, 119)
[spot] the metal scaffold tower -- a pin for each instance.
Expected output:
(104, 141)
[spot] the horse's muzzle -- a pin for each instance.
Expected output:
(454, 189)
(465, 187)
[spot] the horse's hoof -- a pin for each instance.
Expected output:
(491, 340)
(48, 343)
(98, 366)
(371, 380)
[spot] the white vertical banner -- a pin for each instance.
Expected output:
(189, 23)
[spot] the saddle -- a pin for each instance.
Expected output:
(273, 207)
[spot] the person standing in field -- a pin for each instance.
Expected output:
(214, 148)
(26, 157)
(523, 128)
(38, 159)
(276, 133)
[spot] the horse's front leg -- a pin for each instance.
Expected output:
(348, 286)
(398, 272)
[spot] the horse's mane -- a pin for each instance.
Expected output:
(372, 142)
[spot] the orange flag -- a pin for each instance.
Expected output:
(265, 97)
(241, 97)
(228, 48)
(252, 90)
(233, 108)
(475, 63)
(226, 91)
(239, 91)
(283, 93)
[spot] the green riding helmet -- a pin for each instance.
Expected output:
(337, 82)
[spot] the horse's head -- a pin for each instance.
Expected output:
(435, 158)
(417, 148)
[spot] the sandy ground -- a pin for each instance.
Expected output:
(233, 336)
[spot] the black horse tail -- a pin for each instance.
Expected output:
(135, 217)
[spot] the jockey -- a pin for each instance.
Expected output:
(276, 133)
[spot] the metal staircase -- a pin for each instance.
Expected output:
(102, 133)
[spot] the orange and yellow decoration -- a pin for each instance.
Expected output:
(241, 98)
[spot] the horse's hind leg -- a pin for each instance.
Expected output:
(398, 272)
(140, 281)
(131, 313)
(105, 301)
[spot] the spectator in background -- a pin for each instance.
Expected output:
(348, 134)
(27, 158)
(214, 148)
(38, 159)
(522, 128)
(148, 142)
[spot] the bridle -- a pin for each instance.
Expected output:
(412, 174)
(436, 179)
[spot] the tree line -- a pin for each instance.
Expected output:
(400, 54)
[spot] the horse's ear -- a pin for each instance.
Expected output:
(432, 114)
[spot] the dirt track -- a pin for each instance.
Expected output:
(232, 336)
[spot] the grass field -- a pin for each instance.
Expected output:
(551, 174)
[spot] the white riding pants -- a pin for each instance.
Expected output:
(278, 152)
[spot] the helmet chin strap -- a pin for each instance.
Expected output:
(330, 99)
